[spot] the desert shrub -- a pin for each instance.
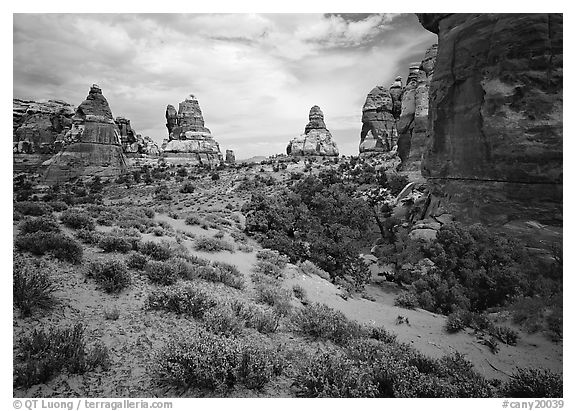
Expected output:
(268, 269)
(58, 245)
(273, 257)
(77, 220)
(244, 248)
(148, 212)
(379, 334)
(187, 188)
(183, 299)
(322, 322)
(205, 360)
(264, 320)
(162, 193)
(330, 373)
(88, 237)
(32, 208)
(308, 267)
(275, 296)
(229, 274)
(43, 354)
(42, 223)
(158, 231)
(221, 320)
(136, 260)
(112, 313)
(161, 272)
(112, 275)
(219, 234)
(212, 245)
(192, 220)
(174, 215)
(533, 383)
(454, 323)
(299, 292)
(504, 334)
(156, 251)
(58, 205)
(406, 300)
(183, 268)
(32, 286)
(111, 243)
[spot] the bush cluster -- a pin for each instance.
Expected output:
(32, 286)
(77, 220)
(212, 245)
(112, 275)
(208, 361)
(43, 354)
(58, 245)
(325, 224)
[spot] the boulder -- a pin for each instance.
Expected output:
(316, 140)
(494, 148)
(94, 147)
(189, 141)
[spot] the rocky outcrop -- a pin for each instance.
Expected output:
(40, 127)
(93, 146)
(230, 157)
(127, 134)
(379, 132)
(494, 149)
(413, 121)
(189, 141)
(316, 140)
(142, 146)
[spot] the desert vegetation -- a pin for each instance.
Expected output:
(207, 288)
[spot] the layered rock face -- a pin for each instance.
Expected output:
(189, 141)
(127, 135)
(230, 157)
(40, 127)
(93, 147)
(413, 122)
(494, 149)
(316, 140)
(379, 132)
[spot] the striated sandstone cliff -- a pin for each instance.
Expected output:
(93, 147)
(494, 149)
(40, 127)
(189, 141)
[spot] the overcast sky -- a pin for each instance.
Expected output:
(255, 75)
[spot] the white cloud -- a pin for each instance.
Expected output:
(256, 76)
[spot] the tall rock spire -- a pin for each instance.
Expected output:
(93, 147)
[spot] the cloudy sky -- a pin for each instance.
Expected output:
(255, 75)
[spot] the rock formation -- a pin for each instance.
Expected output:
(379, 133)
(127, 135)
(413, 121)
(494, 149)
(40, 127)
(316, 140)
(94, 147)
(189, 141)
(230, 157)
